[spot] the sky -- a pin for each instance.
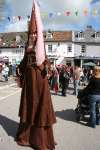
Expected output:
(56, 14)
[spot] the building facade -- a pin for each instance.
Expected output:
(12, 55)
(62, 47)
(59, 46)
(86, 45)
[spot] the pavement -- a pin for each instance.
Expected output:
(4, 84)
(68, 133)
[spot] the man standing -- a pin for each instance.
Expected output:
(76, 78)
(64, 79)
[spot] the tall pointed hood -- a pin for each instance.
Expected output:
(35, 34)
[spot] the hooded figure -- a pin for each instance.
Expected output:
(36, 110)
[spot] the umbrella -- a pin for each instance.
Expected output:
(89, 64)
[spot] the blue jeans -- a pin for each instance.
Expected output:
(76, 86)
(94, 100)
(5, 77)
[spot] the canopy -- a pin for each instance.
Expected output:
(89, 64)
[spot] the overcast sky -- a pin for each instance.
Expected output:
(53, 13)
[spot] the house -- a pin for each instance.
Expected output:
(86, 45)
(12, 46)
(62, 47)
(58, 45)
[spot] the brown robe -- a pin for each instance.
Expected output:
(36, 111)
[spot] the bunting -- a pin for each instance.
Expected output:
(76, 13)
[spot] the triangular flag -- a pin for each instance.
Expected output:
(50, 15)
(19, 17)
(14, 18)
(68, 13)
(8, 18)
(58, 13)
(76, 13)
(95, 12)
(28, 17)
(85, 12)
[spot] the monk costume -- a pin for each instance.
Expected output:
(36, 110)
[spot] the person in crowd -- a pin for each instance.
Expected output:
(64, 80)
(50, 74)
(90, 74)
(94, 97)
(81, 77)
(85, 72)
(1, 67)
(56, 81)
(14, 70)
(10, 69)
(76, 78)
(5, 71)
(36, 110)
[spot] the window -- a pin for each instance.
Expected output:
(97, 35)
(83, 49)
(58, 43)
(69, 49)
(48, 35)
(49, 48)
(17, 51)
(80, 35)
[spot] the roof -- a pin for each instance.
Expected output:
(59, 36)
(9, 39)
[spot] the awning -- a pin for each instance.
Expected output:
(89, 64)
(4, 59)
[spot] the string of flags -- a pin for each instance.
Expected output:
(68, 13)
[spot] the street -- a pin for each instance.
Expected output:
(69, 134)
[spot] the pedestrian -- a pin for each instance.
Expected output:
(64, 80)
(1, 67)
(36, 110)
(56, 81)
(14, 70)
(76, 78)
(94, 97)
(5, 71)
